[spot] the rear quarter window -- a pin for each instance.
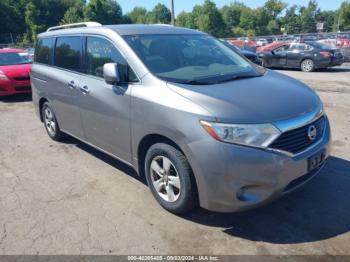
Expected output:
(43, 50)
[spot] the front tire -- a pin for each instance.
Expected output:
(50, 122)
(170, 179)
(307, 65)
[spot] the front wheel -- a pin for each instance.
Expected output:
(307, 65)
(170, 178)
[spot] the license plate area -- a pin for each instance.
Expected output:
(316, 161)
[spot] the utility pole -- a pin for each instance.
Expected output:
(172, 13)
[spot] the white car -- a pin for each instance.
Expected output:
(262, 42)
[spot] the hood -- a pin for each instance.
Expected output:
(16, 70)
(266, 99)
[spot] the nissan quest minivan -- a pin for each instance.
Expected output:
(204, 125)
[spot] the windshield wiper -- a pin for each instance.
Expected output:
(236, 77)
(216, 81)
(197, 82)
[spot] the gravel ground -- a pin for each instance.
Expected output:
(67, 198)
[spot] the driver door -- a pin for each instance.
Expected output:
(105, 108)
(279, 58)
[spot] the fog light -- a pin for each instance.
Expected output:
(248, 194)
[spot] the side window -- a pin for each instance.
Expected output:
(68, 52)
(100, 51)
(281, 48)
(302, 47)
(308, 48)
(43, 50)
(293, 47)
(296, 47)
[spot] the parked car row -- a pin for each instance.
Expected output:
(335, 40)
(307, 56)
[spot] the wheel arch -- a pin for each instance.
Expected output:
(146, 142)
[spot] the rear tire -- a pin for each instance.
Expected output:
(170, 179)
(50, 123)
(307, 65)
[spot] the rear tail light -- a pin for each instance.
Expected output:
(326, 54)
(3, 76)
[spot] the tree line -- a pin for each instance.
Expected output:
(22, 20)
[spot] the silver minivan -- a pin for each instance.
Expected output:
(199, 121)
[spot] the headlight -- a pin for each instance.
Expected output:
(3, 76)
(258, 135)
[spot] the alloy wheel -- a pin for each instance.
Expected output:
(307, 65)
(165, 178)
(50, 121)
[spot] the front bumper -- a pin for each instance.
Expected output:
(235, 178)
(10, 87)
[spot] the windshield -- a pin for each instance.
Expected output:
(191, 59)
(13, 59)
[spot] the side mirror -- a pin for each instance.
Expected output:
(111, 73)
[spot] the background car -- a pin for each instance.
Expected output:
(262, 42)
(15, 69)
(252, 56)
(270, 46)
(307, 56)
(245, 44)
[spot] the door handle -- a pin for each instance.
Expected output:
(84, 89)
(71, 84)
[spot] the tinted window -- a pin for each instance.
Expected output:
(100, 51)
(297, 47)
(43, 50)
(282, 48)
(68, 52)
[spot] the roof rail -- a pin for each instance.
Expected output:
(83, 24)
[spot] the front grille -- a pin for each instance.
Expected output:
(23, 88)
(2, 89)
(22, 78)
(297, 140)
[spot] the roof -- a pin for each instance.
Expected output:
(140, 29)
(12, 50)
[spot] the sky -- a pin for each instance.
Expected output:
(187, 5)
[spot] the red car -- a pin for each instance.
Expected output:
(270, 46)
(241, 43)
(15, 68)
